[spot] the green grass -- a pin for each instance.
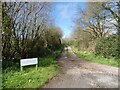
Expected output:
(98, 59)
(30, 77)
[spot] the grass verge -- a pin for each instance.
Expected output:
(30, 77)
(98, 59)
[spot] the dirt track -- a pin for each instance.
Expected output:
(77, 73)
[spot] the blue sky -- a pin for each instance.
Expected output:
(64, 13)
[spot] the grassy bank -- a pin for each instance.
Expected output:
(30, 77)
(98, 59)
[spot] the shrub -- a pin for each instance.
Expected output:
(107, 46)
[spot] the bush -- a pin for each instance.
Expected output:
(107, 46)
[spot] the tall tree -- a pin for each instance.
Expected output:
(94, 20)
(100, 19)
(113, 9)
(25, 26)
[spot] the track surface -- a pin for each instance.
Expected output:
(77, 73)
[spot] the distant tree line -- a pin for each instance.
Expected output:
(28, 30)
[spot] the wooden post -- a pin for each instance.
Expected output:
(36, 66)
(21, 68)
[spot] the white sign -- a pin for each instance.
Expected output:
(30, 61)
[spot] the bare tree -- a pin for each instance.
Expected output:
(93, 20)
(99, 20)
(25, 26)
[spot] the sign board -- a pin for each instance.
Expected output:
(30, 61)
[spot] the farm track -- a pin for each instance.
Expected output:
(77, 73)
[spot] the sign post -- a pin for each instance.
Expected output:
(30, 61)
(36, 66)
(21, 68)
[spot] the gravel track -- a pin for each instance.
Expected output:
(77, 73)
